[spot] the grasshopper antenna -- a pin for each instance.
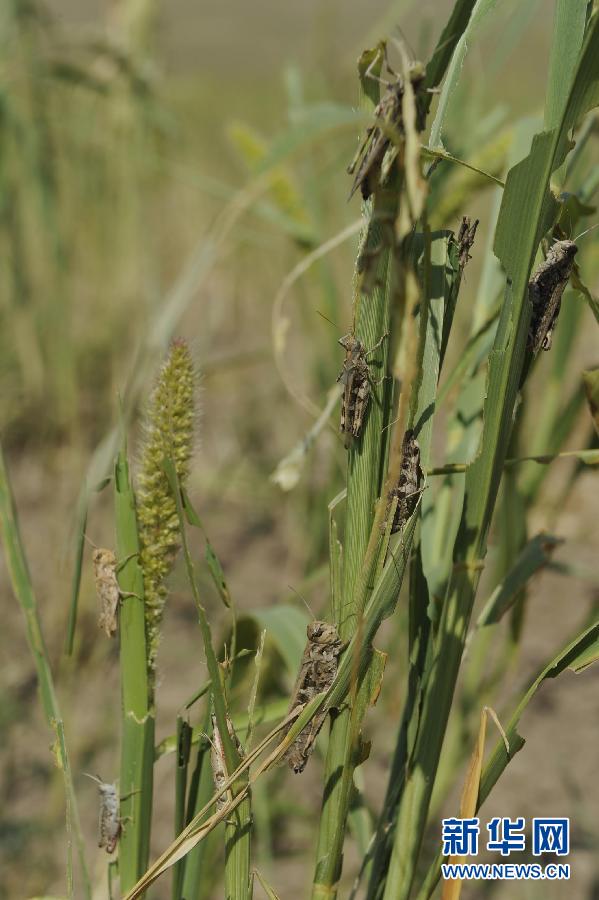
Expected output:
(582, 233)
(93, 778)
(403, 44)
(326, 318)
(390, 425)
(304, 601)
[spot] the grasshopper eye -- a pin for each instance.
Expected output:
(315, 629)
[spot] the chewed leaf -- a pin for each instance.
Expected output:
(577, 655)
(471, 14)
(585, 658)
(533, 556)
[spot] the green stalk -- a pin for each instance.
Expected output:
(18, 570)
(441, 279)
(181, 766)
(512, 535)
(365, 468)
(552, 428)
(527, 213)
(196, 884)
(380, 605)
(238, 827)
(367, 462)
(138, 717)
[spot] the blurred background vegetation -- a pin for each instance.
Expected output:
(163, 167)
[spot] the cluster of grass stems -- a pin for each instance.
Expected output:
(407, 284)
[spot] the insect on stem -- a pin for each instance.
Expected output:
(409, 486)
(317, 673)
(545, 291)
(388, 126)
(110, 825)
(357, 384)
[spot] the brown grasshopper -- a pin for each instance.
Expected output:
(465, 240)
(545, 290)
(317, 673)
(107, 588)
(410, 484)
(388, 119)
(357, 383)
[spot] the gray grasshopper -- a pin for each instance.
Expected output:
(410, 484)
(110, 824)
(317, 673)
(218, 762)
(545, 290)
(357, 383)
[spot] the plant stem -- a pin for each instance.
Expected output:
(18, 569)
(238, 827)
(138, 718)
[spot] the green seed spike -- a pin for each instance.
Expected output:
(168, 432)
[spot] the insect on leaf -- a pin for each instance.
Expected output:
(545, 291)
(109, 825)
(107, 589)
(317, 673)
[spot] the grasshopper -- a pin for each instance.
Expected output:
(465, 240)
(107, 588)
(410, 484)
(218, 762)
(357, 383)
(545, 290)
(388, 120)
(110, 824)
(317, 673)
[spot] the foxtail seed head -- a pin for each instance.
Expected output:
(168, 433)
